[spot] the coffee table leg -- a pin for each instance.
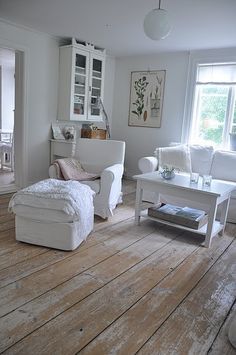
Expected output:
(211, 220)
(224, 212)
(138, 201)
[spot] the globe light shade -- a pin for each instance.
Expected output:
(156, 24)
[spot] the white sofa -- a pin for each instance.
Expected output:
(105, 157)
(203, 160)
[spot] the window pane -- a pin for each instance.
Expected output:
(210, 113)
(233, 128)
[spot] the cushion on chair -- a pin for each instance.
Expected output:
(178, 157)
(95, 154)
(71, 169)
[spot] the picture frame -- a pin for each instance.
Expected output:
(57, 131)
(146, 98)
(63, 131)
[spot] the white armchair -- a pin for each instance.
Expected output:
(105, 157)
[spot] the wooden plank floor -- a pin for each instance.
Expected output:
(148, 289)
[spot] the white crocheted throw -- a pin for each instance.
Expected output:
(71, 197)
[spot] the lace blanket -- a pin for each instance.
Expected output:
(177, 157)
(71, 169)
(71, 197)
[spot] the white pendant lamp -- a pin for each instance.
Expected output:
(156, 24)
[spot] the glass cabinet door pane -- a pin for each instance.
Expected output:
(96, 92)
(96, 83)
(80, 83)
(80, 61)
(95, 108)
(96, 86)
(79, 79)
(78, 105)
(79, 90)
(95, 111)
(97, 68)
(80, 70)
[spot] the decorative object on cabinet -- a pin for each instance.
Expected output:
(146, 98)
(81, 82)
(57, 131)
(94, 133)
(70, 133)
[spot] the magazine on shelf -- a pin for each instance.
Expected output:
(186, 216)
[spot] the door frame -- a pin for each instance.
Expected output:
(20, 115)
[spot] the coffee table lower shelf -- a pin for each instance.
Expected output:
(217, 226)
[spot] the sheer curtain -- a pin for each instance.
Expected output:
(211, 109)
(218, 74)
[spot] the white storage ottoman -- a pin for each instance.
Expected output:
(53, 213)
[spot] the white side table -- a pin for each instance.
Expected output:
(61, 149)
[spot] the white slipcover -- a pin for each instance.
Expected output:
(105, 157)
(204, 160)
(53, 213)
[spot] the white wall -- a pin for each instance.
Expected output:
(8, 96)
(42, 78)
(42, 89)
(109, 87)
(142, 141)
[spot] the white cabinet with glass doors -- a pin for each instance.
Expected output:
(81, 83)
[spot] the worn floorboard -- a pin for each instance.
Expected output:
(148, 289)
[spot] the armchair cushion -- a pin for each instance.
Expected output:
(71, 169)
(95, 154)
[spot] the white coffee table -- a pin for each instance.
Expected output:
(179, 187)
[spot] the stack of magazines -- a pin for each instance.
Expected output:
(185, 216)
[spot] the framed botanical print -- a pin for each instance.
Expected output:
(146, 98)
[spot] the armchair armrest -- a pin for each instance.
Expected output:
(110, 189)
(111, 178)
(147, 164)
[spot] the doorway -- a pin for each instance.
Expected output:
(15, 167)
(7, 108)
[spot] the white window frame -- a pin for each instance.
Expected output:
(196, 59)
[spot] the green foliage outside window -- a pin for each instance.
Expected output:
(213, 104)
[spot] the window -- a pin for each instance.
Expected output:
(214, 105)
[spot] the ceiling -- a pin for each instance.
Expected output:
(117, 25)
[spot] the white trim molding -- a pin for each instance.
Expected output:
(196, 58)
(21, 111)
